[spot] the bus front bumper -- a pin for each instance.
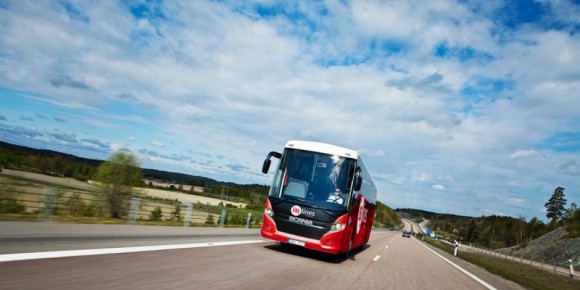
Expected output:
(331, 242)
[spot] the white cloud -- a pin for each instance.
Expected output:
(523, 154)
(439, 187)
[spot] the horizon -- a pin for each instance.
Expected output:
(454, 106)
(267, 185)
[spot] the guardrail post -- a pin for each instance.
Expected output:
(50, 195)
(188, 211)
(133, 212)
(223, 218)
(248, 221)
(455, 251)
(571, 268)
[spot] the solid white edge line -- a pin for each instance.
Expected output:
(461, 269)
(105, 251)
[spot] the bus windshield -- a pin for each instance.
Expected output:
(318, 179)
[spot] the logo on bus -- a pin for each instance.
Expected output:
(296, 210)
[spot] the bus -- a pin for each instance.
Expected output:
(322, 198)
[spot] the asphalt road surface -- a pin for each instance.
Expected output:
(389, 261)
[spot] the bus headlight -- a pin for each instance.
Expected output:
(337, 227)
(269, 212)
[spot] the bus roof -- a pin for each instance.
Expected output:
(322, 148)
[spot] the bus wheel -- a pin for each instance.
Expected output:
(347, 254)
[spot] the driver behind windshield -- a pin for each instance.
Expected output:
(335, 197)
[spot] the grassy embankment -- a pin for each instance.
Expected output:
(525, 275)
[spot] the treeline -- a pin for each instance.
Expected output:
(386, 217)
(46, 162)
(493, 231)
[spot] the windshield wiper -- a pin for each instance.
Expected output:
(296, 198)
(322, 209)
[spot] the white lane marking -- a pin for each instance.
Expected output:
(461, 269)
(377, 258)
(90, 252)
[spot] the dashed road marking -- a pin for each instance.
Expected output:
(377, 258)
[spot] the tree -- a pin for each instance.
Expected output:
(209, 220)
(118, 175)
(156, 214)
(569, 214)
(176, 213)
(555, 206)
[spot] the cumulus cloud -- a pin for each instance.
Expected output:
(439, 187)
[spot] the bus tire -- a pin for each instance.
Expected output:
(348, 252)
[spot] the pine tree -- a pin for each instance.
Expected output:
(555, 206)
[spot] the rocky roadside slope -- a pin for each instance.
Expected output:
(549, 248)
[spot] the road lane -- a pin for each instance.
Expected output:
(27, 237)
(402, 264)
(407, 264)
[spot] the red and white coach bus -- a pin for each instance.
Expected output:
(322, 198)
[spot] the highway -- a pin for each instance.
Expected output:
(213, 258)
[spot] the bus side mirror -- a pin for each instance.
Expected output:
(357, 180)
(266, 165)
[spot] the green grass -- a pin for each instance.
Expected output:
(525, 275)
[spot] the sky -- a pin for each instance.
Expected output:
(462, 107)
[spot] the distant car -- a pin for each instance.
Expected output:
(406, 234)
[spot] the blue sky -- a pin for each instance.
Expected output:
(465, 107)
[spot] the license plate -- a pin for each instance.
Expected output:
(295, 242)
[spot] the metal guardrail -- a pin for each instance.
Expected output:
(554, 268)
(47, 202)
